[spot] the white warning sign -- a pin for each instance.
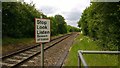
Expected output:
(42, 30)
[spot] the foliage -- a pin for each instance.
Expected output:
(62, 26)
(18, 20)
(72, 29)
(101, 22)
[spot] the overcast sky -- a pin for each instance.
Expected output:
(71, 10)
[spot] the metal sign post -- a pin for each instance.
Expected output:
(42, 55)
(42, 34)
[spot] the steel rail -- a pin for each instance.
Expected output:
(65, 36)
(27, 48)
(38, 52)
(100, 52)
(82, 59)
(81, 52)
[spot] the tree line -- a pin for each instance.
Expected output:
(101, 22)
(18, 20)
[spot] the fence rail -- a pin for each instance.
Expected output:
(81, 58)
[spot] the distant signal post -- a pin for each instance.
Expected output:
(42, 34)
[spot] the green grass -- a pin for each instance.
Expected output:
(85, 43)
(10, 44)
(14, 41)
(7, 41)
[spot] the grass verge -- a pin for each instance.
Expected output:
(85, 43)
(11, 44)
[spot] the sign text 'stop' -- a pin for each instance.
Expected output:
(42, 30)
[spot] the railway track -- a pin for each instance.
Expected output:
(19, 57)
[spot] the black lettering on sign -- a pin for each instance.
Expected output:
(41, 27)
(43, 39)
(41, 22)
(42, 32)
(38, 39)
(41, 35)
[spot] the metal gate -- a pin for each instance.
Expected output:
(81, 58)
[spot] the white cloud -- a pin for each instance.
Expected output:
(73, 15)
(48, 9)
(70, 9)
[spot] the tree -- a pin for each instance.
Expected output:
(62, 26)
(72, 29)
(18, 19)
(101, 22)
(54, 26)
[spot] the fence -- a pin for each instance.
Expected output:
(81, 58)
